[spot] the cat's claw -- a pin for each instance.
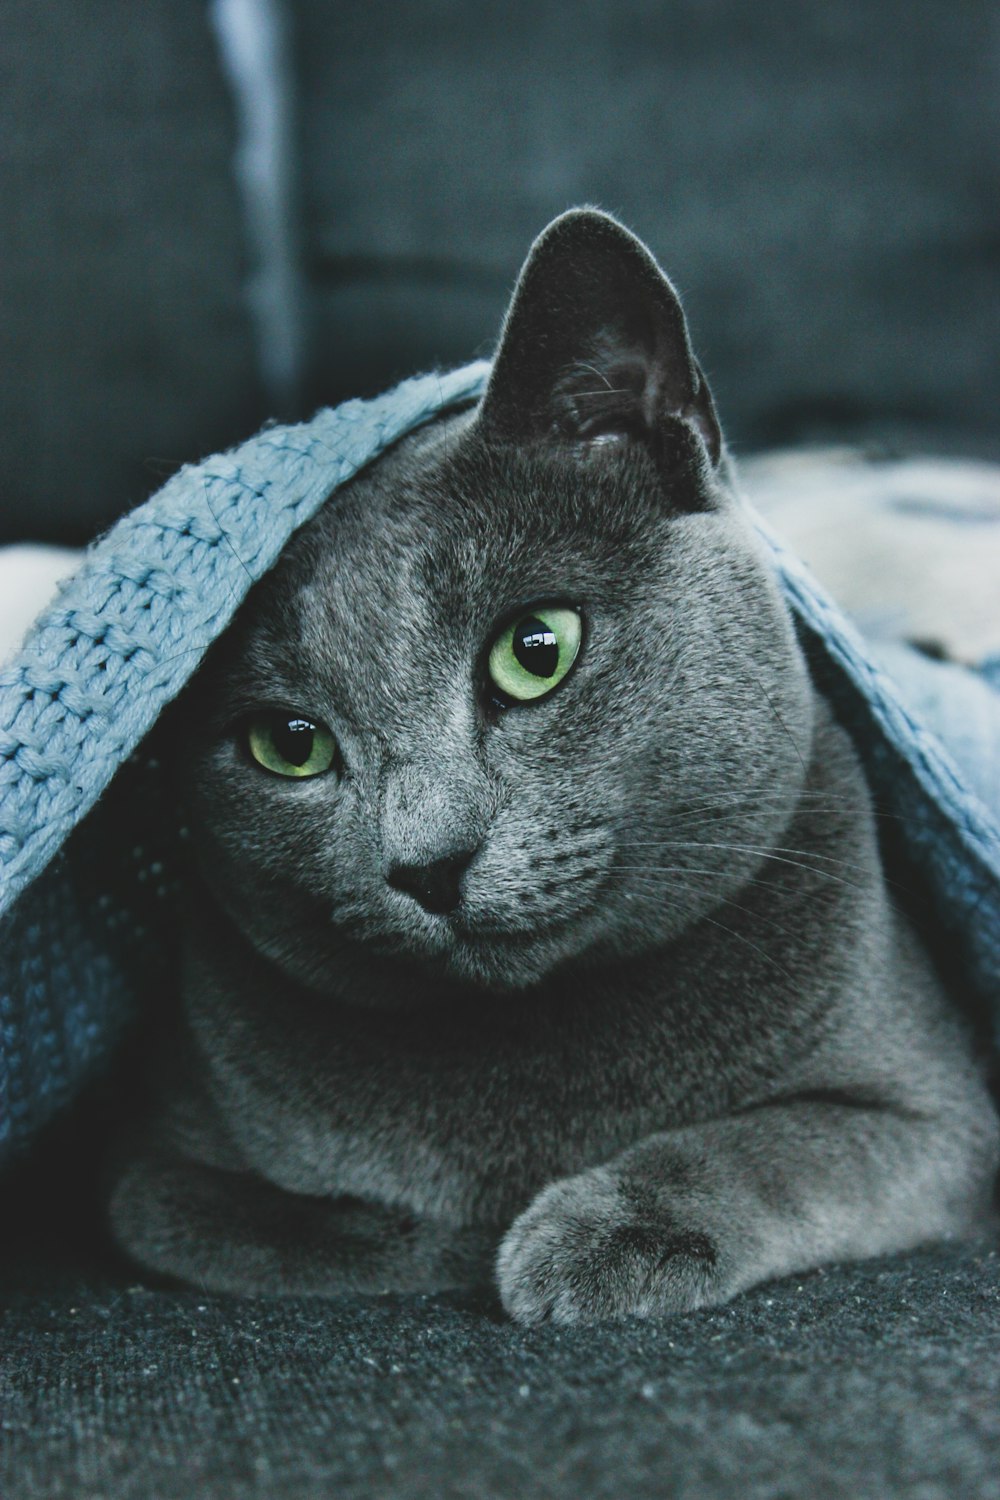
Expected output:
(581, 1254)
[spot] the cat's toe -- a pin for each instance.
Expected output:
(579, 1254)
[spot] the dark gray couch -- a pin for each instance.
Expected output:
(821, 181)
(822, 184)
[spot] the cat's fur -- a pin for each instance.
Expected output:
(675, 1038)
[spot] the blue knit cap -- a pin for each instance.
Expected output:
(84, 916)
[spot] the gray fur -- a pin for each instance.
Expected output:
(676, 1038)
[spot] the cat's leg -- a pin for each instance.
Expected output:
(690, 1217)
(231, 1231)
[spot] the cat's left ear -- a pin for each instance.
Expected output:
(595, 346)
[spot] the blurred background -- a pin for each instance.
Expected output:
(216, 213)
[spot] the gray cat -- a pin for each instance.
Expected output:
(537, 923)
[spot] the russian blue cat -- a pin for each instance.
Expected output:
(536, 926)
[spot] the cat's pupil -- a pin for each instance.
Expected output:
(535, 647)
(293, 740)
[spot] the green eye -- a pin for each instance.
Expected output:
(534, 653)
(290, 745)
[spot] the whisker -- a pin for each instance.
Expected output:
(764, 885)
(582, 364)
(773, 707)
(811, 802)
(712, 818)
(722, 900)
(739, 936)
(767, 957)
(610, 390)
(777, 855)
(770, 922)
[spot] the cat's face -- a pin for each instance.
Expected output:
(555, 700)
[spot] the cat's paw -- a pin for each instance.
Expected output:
(582, 1253)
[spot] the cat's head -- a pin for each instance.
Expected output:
(524, 695)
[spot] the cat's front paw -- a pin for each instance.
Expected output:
(582, 1252)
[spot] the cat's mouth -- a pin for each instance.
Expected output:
(468, 928)
(503, 954)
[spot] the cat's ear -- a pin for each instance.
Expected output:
(595, 346)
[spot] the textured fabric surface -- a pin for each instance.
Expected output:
(962, 706)
(874, 1380)
(947, 840)
(85, 943)
(908, 547)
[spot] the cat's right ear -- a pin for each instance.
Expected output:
(595, 346)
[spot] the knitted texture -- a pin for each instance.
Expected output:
(946, 840)
(84, 900)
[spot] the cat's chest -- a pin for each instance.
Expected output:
(464, 1123)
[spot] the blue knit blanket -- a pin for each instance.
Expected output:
(85, 866)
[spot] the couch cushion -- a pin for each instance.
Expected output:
(820, 180)
(125, 344)
(873, 1379)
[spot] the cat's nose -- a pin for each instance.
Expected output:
(437, 886)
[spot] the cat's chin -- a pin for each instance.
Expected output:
(454, 972)
(501, 968)
(399, 978)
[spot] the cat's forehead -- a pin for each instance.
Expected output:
(407, 573)
(447, 518)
